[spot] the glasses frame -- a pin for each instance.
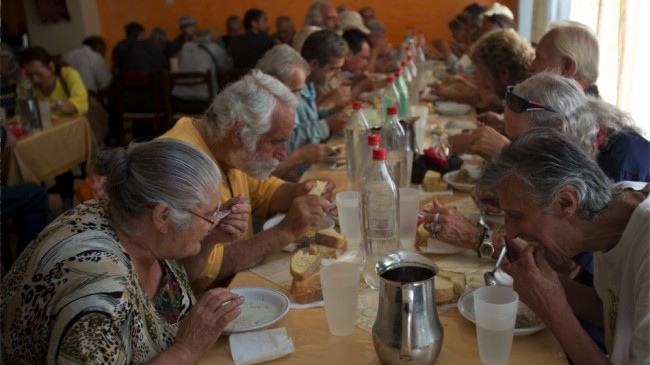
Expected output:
(213, 222)
(527, 105)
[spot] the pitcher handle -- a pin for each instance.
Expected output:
(406, 350)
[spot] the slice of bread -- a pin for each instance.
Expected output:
(330, 237)
(304, 265)
(306, 291)
(431, 178)
(422, 237)
(327, 252)
(456, 278)
(318, 188)
(444, 290)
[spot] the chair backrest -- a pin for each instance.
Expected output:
(227, 77)
(193, 78)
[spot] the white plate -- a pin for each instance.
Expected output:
(451, 108)
(466, 309)
(460, 124)
(262, 308)
(449, 179)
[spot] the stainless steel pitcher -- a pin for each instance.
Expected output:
(407, 329)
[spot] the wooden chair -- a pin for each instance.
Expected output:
(228, 77)
(141, 97)
(193, 108)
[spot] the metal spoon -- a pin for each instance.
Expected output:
(490, 280)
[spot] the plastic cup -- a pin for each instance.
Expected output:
(340, 282)
(409, 206)
(495, 309)
(44, 110)
(347, 203)
(422, 112)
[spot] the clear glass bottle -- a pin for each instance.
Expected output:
(379, 215)
(393, 138)
(389, 98)
(356, 136)
(403, 92)
(27, 104)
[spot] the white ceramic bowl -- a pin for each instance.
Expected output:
(451, 176)
(451, 108)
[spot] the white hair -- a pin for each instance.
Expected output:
(280, 61)
(578, 42)
(250, 101)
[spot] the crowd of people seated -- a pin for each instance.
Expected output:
(136, 276)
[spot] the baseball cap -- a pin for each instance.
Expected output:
(187, 20)
(349, 19)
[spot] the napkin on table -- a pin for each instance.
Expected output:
(255, 347)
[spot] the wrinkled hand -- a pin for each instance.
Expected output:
(487, 142)
(235, 224)
(329, 188)
(314, 152)
(337, 121)
(207, 319)
(537, 284)
(341, 95)
(491, 119)
(460, 143)
(305, 211)
(456, 229)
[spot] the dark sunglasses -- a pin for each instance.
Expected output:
(519, 105)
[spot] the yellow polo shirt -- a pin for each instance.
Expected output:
(259, 192)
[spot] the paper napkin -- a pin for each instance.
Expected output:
(255, 347)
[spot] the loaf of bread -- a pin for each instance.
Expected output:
(330, 237)
(304, 264)
(327, 252)
(306, 291)
(444, 290)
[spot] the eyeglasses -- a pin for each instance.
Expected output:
(519, 105)
(214, 220)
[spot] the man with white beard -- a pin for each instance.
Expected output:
(245, 131)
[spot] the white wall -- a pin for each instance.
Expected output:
(62, 36)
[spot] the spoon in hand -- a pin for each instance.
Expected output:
(490, 280)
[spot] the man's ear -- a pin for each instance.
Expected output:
(568, 67)
(161, 218)
(313, 64)
(567, 200)
(235, 135)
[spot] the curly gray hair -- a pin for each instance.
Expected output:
(250, 101)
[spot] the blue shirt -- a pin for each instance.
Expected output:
(626, 157)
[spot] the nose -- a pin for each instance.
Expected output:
(281, 152)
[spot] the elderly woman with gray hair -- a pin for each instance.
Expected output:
(554, 194)
(104, 283)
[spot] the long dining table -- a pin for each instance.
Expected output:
(308, 327)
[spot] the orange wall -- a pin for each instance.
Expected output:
(429, 16)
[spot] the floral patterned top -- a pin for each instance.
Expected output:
(74, 297)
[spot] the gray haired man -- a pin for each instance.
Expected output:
(555, 194)
(245, 132)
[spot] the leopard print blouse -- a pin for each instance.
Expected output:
(74, 297)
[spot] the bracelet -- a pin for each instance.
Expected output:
(480, 237)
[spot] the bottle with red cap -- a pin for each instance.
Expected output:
(379, 215)
(389, 98)
(356, 134)
(393, 138)
(403, 91)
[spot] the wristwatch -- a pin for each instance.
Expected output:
(485, 249)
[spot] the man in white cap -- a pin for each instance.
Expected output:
(350, 19)
(497, 17)
(188, 26)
